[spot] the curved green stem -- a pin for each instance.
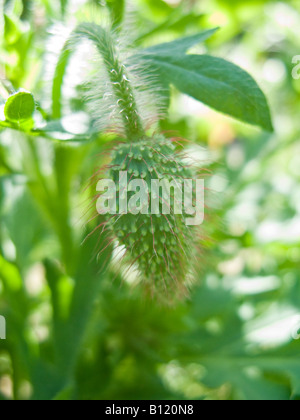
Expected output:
(122, 89)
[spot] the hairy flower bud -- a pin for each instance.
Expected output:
(156, 237)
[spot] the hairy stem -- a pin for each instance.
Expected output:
(118, 77)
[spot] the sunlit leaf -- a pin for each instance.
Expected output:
(19, 107)
(217, 83)
(180, 46)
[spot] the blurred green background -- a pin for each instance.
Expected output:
(74, 330)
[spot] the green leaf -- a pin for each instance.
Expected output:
(19, 107)
(248, 381)
(116, 8)
(65, 394)
(180, 46)
(63, 6)
(217, 83)
(247, 372)
(177, 21)
(12, 32)
(58, 79)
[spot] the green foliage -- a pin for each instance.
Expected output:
(180, 46)
(19, 107)
(76, 326)
(217, 83)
